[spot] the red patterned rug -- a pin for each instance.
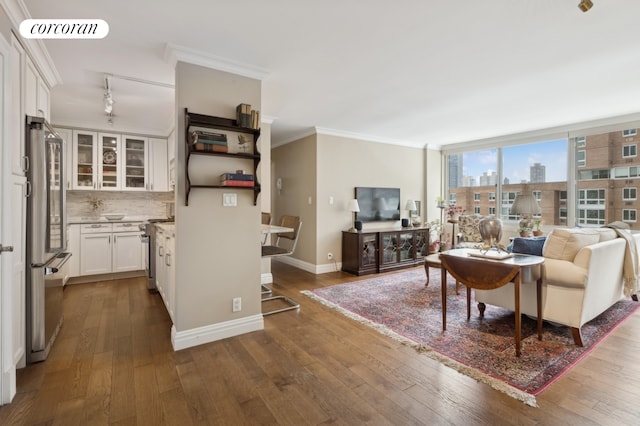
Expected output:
(399, 305)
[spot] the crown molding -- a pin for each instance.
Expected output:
(17, 12)
(368, 138)
(174, 53)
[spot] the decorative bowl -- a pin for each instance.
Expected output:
(113, 216)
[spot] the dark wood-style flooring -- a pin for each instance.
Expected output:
(113, 364)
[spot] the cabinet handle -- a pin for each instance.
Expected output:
(25, 164)
(166, 259)
(115, 239)
(109, 239)
(160, 251)
(94, 185)
(27, 189)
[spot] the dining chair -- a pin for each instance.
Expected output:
(284, 245)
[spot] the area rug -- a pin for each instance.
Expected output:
(399, 305)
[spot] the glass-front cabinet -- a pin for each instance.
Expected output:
(135, 167)
(396, 247)
(109, 177)
(85, 160)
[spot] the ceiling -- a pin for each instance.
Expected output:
(412, 73)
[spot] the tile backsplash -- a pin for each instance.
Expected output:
(151, 204)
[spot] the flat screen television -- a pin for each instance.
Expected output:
(378, 204)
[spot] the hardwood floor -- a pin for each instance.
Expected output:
(113, 364)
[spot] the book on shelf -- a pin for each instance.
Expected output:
(255, 119)
(236, 176)
(243, 115)
(209, 147)
(247, 183)
(207, 137)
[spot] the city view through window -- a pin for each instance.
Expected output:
(607, 167)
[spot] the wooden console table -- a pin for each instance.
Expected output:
(381, 250)
(489, 274)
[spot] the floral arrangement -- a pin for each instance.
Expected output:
(95, 203)
(454, 210)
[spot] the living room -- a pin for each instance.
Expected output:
(325, 366)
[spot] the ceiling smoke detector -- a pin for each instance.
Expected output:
(585, 5)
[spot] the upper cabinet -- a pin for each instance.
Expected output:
(115, 162)
(36, 92)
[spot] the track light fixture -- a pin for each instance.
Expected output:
(585, 5)
(108, 97)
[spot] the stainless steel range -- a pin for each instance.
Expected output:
(149, 237)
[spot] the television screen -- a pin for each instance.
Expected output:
(378, 204)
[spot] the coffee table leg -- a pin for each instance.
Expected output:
(468, 303)
(516, 290)
(444, 298)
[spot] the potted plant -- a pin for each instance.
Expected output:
(523, 231)
(536, 228)
(453, 212)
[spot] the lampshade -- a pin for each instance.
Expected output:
(353, 206)
(525, 204)
(411, 205)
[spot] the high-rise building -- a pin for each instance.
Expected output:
(537, 173)
(455, 171)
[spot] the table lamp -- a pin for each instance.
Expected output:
(526, 206)
(353, 207)
(411, 207)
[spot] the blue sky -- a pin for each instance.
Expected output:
(518, 159)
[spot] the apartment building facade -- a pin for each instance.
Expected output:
(607, 180)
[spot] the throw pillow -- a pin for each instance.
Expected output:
(564, 244)
(531, 246)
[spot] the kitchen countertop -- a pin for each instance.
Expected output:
(126, 219)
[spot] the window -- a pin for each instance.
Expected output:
(629, 133)
(581, 142)
(591, 207)
(476, 196)
(507, 202)
(476, 210)
(629, 215)
(593, 174)
(537, 195)
(492, 210)
(629, 194)
(492, 196)
(626, 172)
(581, 158)
(629, 151)
(562, 196)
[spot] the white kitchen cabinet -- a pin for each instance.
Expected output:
(169, 272)
(110, 162)
(37, 93)
(126, 252)
(16, 112)
(109, 248)
(84, 160)
(160, 265)
(73, 247)
(136, 163)
(158, 165)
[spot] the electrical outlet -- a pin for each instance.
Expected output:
(330, 256)
(237, 304)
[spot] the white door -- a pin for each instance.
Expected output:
(8, 312)
(96, 254)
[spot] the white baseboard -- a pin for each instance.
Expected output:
(211, 333)
(266, 278)
(309, 267)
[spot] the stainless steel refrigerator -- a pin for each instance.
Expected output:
(46, 236)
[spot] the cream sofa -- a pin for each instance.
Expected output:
(582, 277)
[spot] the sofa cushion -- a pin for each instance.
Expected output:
(532, 245)
(564, 244)
(606, 234)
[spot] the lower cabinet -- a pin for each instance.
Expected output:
(383, 250)
(165, 272)
(107, 248)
